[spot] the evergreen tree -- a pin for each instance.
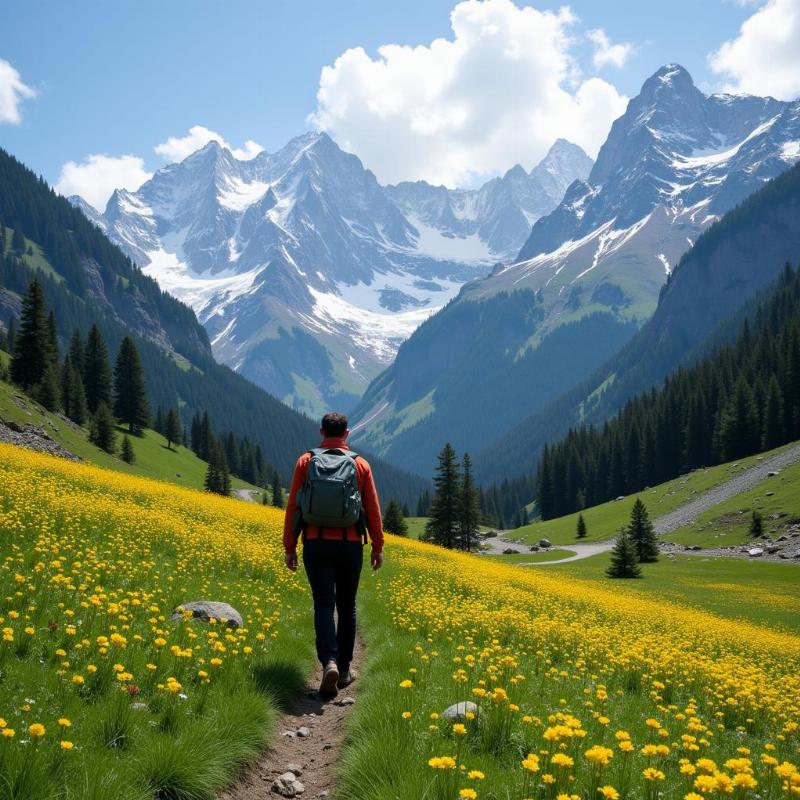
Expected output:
(756, 525)
(52, 337)
(217, 478)
(103, 430)
(406, 512)
(158, 425)
(73, 396)
(624, 563)
(12, 333)
(48, 390)
(773, 431)
(469, 511)
(96, 371)
(76, 350)
(130, 393)
(580, 531)
(546, 487)
(277, 491)
(642, 533)
(32, 352)
(206, 438)
(443, 525)
(172, 428)
(18, 241)
(739, 425)
(126, 452)
(393, 520)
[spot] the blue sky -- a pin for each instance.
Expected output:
(120, 77)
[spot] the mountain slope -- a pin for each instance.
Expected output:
(87, 279)
(700, 307)
(591, 270)
(306, 272)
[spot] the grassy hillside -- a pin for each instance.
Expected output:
(102, 694)
(579, 684)
(153, 460)
(758, 592)
(603, 521)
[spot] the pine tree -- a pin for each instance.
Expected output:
(12, 333)
(393, 520)
(130, 392)
(642, 533)
(172, 428)
(624, 563)
(32, 351)
(18, 241)
(469, 511)
(773, 430)
(206, 440)
(756, 525)
(127, 453)
(158, 425)
(48, 390)
(277, 491)
(739, 426)
(103, 431)
(76, 350)
(443, 525)
(580, 531)
(218, 479)
(546, 487)
(96, 371)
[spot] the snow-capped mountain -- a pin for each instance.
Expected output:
(306, 272)
(674, 162)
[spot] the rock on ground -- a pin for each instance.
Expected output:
(207, 610)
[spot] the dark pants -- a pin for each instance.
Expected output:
(333, 568)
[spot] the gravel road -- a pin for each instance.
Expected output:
(680, 517)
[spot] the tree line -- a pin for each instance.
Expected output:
(85, 388)
(740, 400)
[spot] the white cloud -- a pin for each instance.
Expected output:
(96, 178)
(500, 91)
(764, 58)
(12, 92)
(606, 53)
(176, 148)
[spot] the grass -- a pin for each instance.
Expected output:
(777, 499)
(562, 646)
(553, 554)
(178, 465)
(156, 709)
(416, 526)
(36, 259)
(603, 521)
(759, 592)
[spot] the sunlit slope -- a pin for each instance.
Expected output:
(603, 686)
(92, 564)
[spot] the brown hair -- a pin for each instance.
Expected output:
(334, 424)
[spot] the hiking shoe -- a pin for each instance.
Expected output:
(330, 677)
(347, 678)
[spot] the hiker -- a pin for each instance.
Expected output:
(333, 504)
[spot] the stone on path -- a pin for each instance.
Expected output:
(302, 732)
(346, 701)
(295, 768)
(544, 543)
(459, 710)
(754, 552)
(206, 610)
(287, 785)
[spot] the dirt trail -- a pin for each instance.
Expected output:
(316, 755)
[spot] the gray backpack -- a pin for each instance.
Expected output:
(330, 497)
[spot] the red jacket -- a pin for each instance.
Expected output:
(369, 500)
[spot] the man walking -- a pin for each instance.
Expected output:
(333, 504)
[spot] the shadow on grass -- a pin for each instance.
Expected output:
(282, 680)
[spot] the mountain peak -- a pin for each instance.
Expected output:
(669, 79)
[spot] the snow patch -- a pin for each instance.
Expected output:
(238, 195)
(663, 259)
(433, 243)
(790, 151)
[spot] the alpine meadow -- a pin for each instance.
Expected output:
(400, 400)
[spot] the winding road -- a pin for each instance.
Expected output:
(678, 518)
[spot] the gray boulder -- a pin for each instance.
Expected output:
(206, 610)
(509, 551)
(459, 710)
(755, 552)
(544, 543)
